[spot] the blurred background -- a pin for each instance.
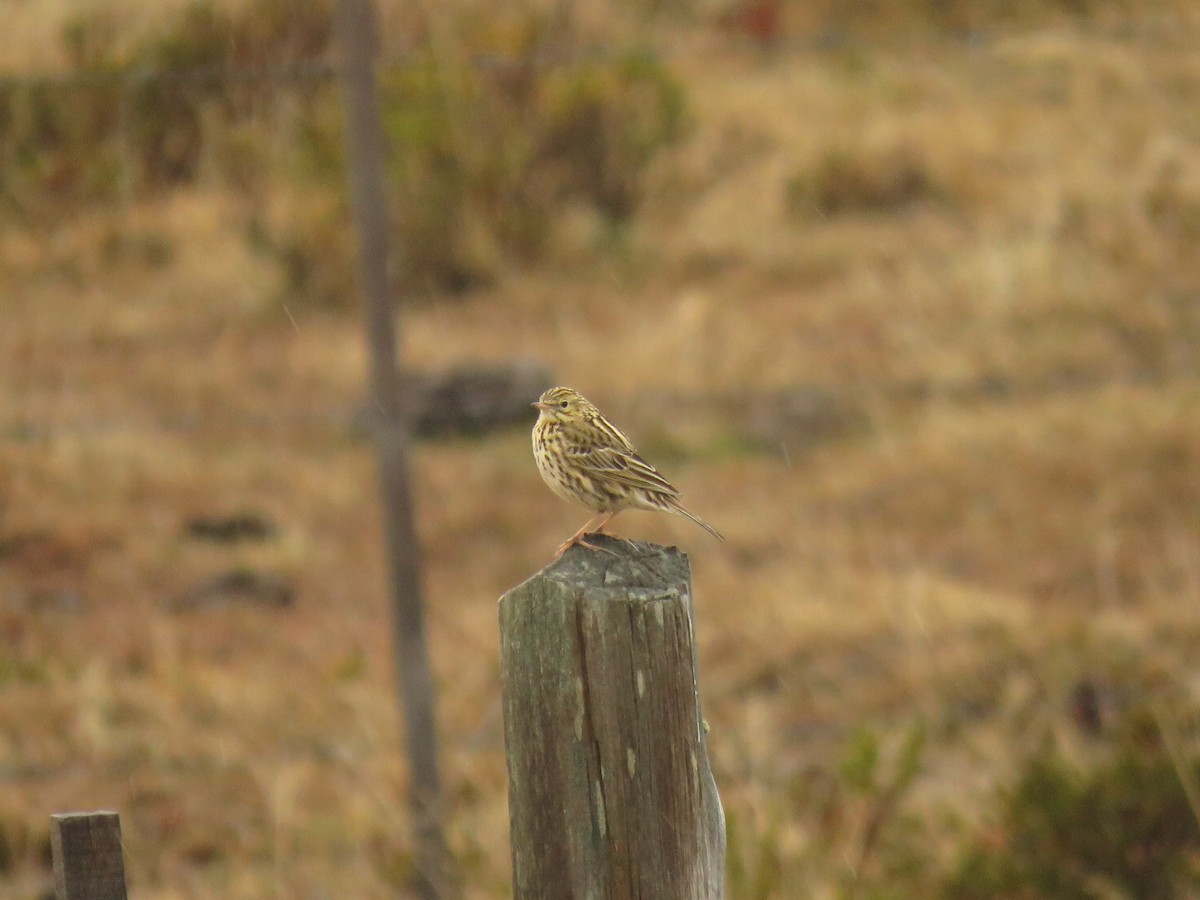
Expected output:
(905, 297)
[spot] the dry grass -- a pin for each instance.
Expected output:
(1017, 513)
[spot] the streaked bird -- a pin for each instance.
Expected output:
(586, 459)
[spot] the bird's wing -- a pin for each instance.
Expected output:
(615, 437)
(624, 468)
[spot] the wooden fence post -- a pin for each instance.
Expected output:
(609, 785)
(357, 31)
(88, 864)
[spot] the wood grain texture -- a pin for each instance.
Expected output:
(610, 790)
(88, 863)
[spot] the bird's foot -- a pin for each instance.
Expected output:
(579, 539)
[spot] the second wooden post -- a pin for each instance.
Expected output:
(610, 790)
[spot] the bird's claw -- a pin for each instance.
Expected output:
(567, 545)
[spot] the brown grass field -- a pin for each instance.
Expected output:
(983, 253)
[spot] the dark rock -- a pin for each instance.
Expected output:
(237, 587)
(231, 529)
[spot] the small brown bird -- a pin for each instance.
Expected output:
(586, 459)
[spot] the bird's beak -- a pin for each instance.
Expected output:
(538, 404)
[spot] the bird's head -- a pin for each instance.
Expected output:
(564, 404)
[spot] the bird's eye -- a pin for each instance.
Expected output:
(564, 404)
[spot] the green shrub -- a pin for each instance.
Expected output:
(484, 158)
(492, 135)
(856, 181)
(1124, 827)
(116, 131)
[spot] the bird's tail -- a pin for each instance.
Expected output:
(681, 510)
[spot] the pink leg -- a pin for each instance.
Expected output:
(596, 523)
(608, 517)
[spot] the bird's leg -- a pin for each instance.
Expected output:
(608, 517)
(598, 521)
(576, 538)
(598, 528)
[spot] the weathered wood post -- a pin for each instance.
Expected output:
(357, 30)
(609, 786)
(86, 850)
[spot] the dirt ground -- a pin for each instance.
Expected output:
(914, 319)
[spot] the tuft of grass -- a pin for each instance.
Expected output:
(1064, 831)
(23, 671)
(754, 858)
(845, 182)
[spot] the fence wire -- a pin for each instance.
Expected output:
(1174, 29)
(24, 425)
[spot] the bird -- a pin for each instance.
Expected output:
(585, 459)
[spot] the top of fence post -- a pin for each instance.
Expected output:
(88, 863)
(610, 790)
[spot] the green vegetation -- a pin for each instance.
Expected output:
(843, 182)
(909, 310)
(489, 141)
(1122, 827)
